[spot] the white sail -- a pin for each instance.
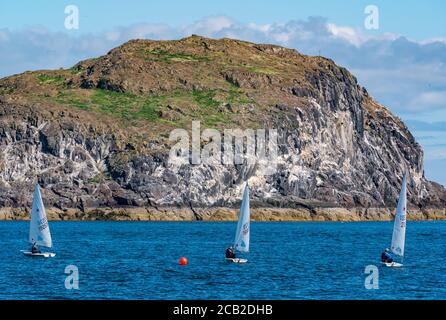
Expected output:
(399, 227)
(241, 242)
(39, 230)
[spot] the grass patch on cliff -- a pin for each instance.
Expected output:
(71, 100)
(147, 111)
(75, 70)
(238, 96)
(190, 105)
(6, 90)
(205, 99)
(257, 69)
(122, 105)
(45, 79)
(209, 113)
(177, 108)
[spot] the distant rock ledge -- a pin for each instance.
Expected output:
(224, 214)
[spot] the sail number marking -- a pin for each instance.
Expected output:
(245, 229)
(43, 224)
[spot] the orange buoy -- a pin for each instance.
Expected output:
(183, 261)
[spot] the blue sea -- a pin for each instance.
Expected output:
(301, 260)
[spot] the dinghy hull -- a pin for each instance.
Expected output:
(39, 255)
(393, 264)
(236, 260)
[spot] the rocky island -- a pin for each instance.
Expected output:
(96, 137)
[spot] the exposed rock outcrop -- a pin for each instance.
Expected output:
(96, 136)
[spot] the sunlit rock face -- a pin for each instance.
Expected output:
(96, 135)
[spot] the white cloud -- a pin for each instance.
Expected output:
(4, 36)
(413, 88)
(431, 99)
(346, 33)
(434, 40)
(112, 35)
(262, 28)
(147, 31)
(209, 26)
(438, 153)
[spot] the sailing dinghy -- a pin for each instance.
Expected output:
(241, 242)
(39, 230)
(399, 226)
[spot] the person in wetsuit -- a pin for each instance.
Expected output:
(230, 253)
(386, 257)
(35, 248)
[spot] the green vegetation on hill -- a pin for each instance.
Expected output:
(176, 108)
(120, 105)
(6, 90)
(259, 69)
(238, 96)
(47, 79)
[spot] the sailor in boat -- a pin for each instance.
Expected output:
(230, 253)
(35, 248)
(386, 257)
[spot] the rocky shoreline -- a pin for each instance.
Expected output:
(224, 214)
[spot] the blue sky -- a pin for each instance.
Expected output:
(402, 64)
(416, 19)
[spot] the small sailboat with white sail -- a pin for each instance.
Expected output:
(241, 242)
(399, 229)
(39, 230)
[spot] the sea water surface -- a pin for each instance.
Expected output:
(139, 260)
